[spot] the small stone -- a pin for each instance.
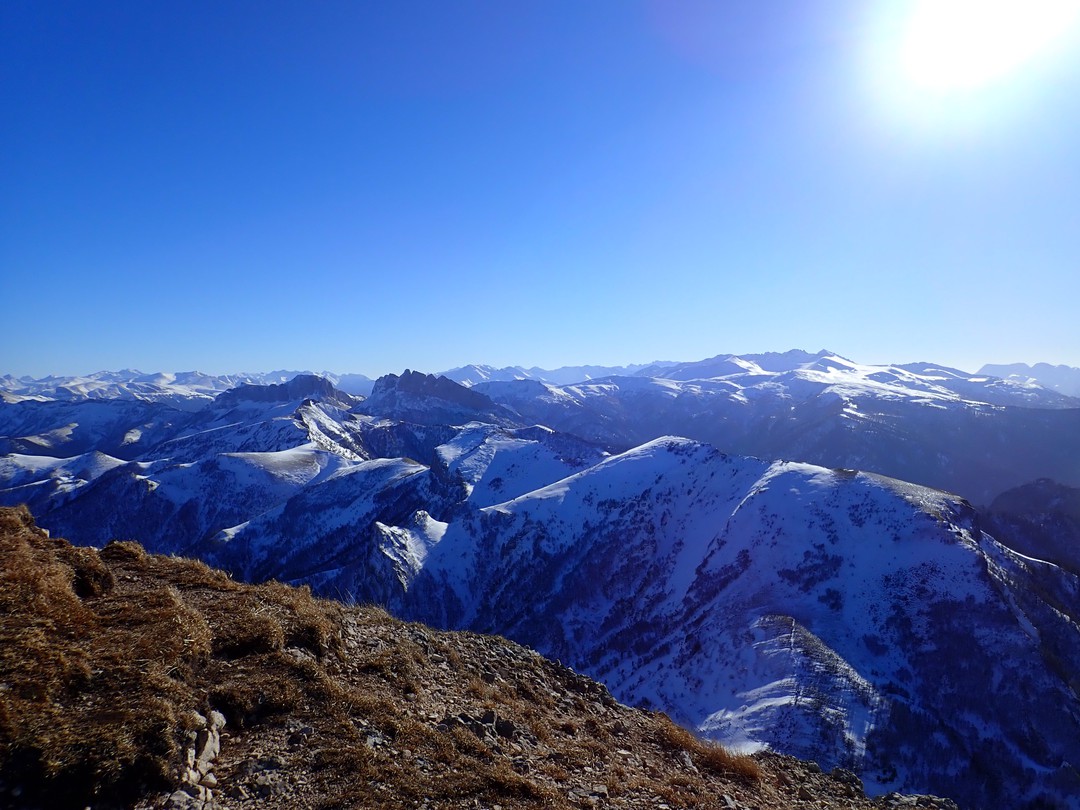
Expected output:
(265, 785)
(504, 728)
(181, 800)
(237, 792)
(688, 763)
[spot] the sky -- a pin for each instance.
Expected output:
(372, 186)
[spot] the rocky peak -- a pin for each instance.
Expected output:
(302, 386)
(418, 384)
(425, 398)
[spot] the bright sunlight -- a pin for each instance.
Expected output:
(961, 45)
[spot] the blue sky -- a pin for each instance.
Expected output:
(369, 186)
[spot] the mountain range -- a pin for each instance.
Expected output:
(840, 605)
(1065, 379)
(179, 387)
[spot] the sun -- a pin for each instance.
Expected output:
(961, 45)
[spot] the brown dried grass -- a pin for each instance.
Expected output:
(706, 755)
(103, 656)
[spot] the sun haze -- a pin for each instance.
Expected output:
(959, 45)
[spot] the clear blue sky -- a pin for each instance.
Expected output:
(369, 186)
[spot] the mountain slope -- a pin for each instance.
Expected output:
(133, 680)
(834, 615)
(1040, 519)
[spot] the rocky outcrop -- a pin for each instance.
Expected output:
(427, 399)
(300, 387)
(197, 779)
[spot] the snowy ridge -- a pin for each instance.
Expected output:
(921, 422)
(187, 390)
(813, 611)
(1064, 379)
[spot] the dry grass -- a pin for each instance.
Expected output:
(102, 661)
(705, 754)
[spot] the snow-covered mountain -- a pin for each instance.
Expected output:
(840, 615)
(1064, 379)
(852, 619)
(427, 399)
(187, 390)
(564, 375)
(936, 426)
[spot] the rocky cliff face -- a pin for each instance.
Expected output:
(302, 386)
(138, 681)
(427, 399)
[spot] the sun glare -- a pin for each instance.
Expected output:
(958, 45)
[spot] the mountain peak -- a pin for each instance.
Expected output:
(420, 397)
(302, 386)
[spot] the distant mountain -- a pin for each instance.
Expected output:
(186, 390)
(474, 374)
(974, 435)
(355, 384)
(724, 365)
(427, 399)
(302, 386)
(1064, 379)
